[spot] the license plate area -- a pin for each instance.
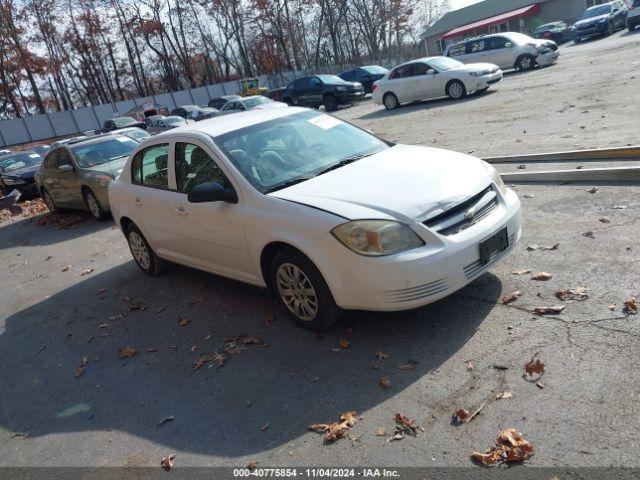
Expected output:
(498, 242)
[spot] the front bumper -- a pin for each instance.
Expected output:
(416, 277)
(547, 58)
(349, 97)
(633, 21)
(593, 30)
(487, 80)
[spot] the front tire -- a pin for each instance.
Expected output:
(302, 291)
(93, 206)
(631, 28)
(456, 90)
(143, 254)
(525, 62)
(330, 103)
(390, 101)
(48, 200)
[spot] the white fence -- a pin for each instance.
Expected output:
(58, 124)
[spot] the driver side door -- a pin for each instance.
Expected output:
(208, 235)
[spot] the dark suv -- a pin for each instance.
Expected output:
(328, 90)
(600, 20)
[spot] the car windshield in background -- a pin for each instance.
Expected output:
(443, 63)
(175, 121)
(280, 152)
(597, 11)
(375, 70)
(123, 122)
(96, 153)
(549, 26)
(330, 78)
(19, 160)
(137, 134)
(218, 103)
(254, 102)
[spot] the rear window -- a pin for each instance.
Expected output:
(376, 70)
(456, 50)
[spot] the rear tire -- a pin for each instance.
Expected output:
(302, 291)
(456, 90)
(390, 101)
(525, 62)
(93, 205)
(143, 254)
(330, 103)
(631, 28)
(288, 101)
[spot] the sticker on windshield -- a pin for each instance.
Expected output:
(325, 121)
(34, 155)
(123, 139)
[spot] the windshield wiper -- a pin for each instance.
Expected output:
(288, 183)
(345, 161)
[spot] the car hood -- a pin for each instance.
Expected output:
(24, 172)
(588, 21)
(113, 167)
(403, 183)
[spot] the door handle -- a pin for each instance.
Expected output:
(180, 211)
(137, 201)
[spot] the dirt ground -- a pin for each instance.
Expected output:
(73, 298)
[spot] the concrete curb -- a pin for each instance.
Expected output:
(619, 153)
(612, 174)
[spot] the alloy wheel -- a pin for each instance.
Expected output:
(297, 292)
(390, 102)
(525, 63)
(48, 201)
(139, 250)
(456, 90)
(92, 203)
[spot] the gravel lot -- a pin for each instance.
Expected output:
(258, 406)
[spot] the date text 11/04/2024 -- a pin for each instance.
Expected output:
(317, 472)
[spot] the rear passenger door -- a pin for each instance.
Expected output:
(206, 235)
(475, 51)
(150, 185)
(401, 83)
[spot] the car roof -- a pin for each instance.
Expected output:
(228, 123)
(422, 60)
(95, 139)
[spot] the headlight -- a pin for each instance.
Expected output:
(376, 238)
(341, 88)
(104, 180)
(13, 181)
(480, 74)
(495, 176)
(603, 20)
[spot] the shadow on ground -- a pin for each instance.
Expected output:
(295, 381)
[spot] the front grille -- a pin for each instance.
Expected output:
(454, 221)
(553, 46)
(587, 28)
(474, 269)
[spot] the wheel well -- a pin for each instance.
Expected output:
(453, 80)
(124, 223)
(84, 189)
(268, 254)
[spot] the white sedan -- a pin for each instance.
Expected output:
(326, 215)
(433, 77)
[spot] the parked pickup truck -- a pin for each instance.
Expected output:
(328, 90)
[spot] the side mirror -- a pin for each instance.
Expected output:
(508, 45)
(65, 168)
(212, 192)
(431, 71)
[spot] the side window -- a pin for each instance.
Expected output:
(349, 76)
(456, 50)
(420, 69)
(495, 43)
(301, 83)
(62, 158)
(476, 46)
(149, 167)
(315, 83)
(195, 166)
(50, 160)
(402, 72)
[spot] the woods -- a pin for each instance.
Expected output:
(59, 55)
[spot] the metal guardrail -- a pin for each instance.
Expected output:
(599, 174)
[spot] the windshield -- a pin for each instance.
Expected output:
(597, 11)
(548, 26)
(19, 160)
(443, 63)
(296, 147)
(174, 121)
(136, 133)
(375, 70)
(121, 122)
(255, 101)
(96, 153)
(218, 103)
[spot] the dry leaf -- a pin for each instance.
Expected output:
(540, 385)
(264, 428)
(534, 368)
(512, 297)
(510, 446)
(127, 352)
(194, 302)
(461, 415)
(548, 310)
(593, 190)
(183, 322)
(542, 276)
(589, 234)
(630, 306)
(64, 269)
(410, 366)
(251, 466)
(336, 430)
(381, 355)
(167, 462)
(381, 432)
(201, 361)
(102, 290)
(269, 319)
(470, 366)
(253, 341)
(86, 272)
(578, 293)
(604, 220)
(521, 272)
(79, 372)
(152, 349)
(133, 306)
(503, 395)
(234, 349)
(385, 382)
(344, 343)
(165, 420)
(404, 425)
(220, 359)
